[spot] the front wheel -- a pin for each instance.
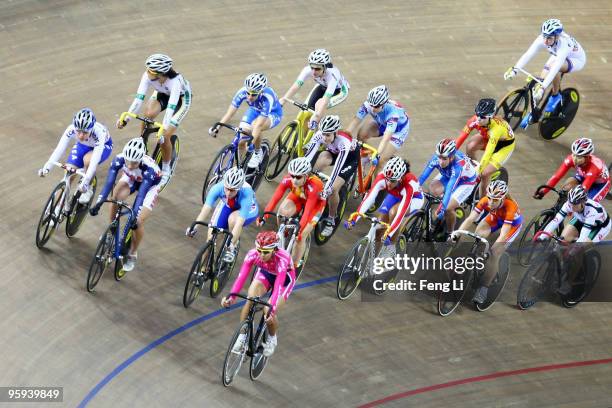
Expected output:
(355, 267)
(282, 151)
(513, 107)
(199, 273)
(498, 284)
(258, 360)
(79, 212)
(233, 359)
(457, 286)
(222, 162)
(50, 216)
(101, 259)
(536, 281)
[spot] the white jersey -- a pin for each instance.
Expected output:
(594, 216)
(342, 146)
(566, 47)
(332, 80)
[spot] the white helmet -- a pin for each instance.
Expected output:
(134, 150)
(551, 27)
(378, 95)
(256, 82)
(497, 189)
(582, 146)
(395, 168)
(299, 166)
(84, 120)
(319, 56)
(577, 195)
(446, 148)
(330, 123)
(159, 63)
(233, 178)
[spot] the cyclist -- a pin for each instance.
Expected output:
(342, 153)
(236, 208)
(503, 213)
(404, 197)
(331, 88)
(495, 137)
(390, 121)
(264, 112)
(455, 182)
(172, 93)
(567, 55)
(304, 197)
(93, 146)
(275, 271)
(591, 171)
(140, 172)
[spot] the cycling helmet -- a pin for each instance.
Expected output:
(551, 27)
(256, 82)
(84, 120)
(395, 168)
(330, 123)
(134, 150)
(299, 166)
(446, 148)
(266, 240)
(233, 178)
(485, 107)
(159, 63)
(319, 56)
(497, 189)
(378, 95)
(577, 195)
(582, 147)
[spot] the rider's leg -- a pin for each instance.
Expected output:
(260, 125)
(570, 183)
(257, 288)
(334, 198)
(485, 178)
(300, 245)
(152, 109)
(450, 216)
(120, 193)
(324, 160)
(166, 147)
(138, 234)
(385, 154)
(475, 144)
(570, 233)
(368, 129)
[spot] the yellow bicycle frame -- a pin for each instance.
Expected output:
(160, 132)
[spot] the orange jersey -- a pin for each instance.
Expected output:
(508, 212)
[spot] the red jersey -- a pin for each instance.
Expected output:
(592, 171)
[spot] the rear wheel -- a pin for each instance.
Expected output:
(50, 216)
(354, 268)
(282, 151)
(233, 360)
(199, 273)
(222, 162)
(101, 259)
(513, 106)
(536, 281)
(527, 249)
(557, 122)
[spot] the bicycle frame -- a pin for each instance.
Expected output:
(123, 209)
(239, 136)
(304, 134)
(375, 225)
(147, 121)
(290, 224)
(214, 232)
(69, 172)
(362, 184)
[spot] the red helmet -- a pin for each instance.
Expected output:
(266, 240)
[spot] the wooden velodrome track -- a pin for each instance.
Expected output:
(438, 59)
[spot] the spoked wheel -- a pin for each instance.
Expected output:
(536, 281)
(174, 140)
(355, 267)
(50, 216)
(557, 122)
(222, 162)
(198, 275)
(498, 284)
(527, 249)
(282, 151)
(233, 359)
(258, 360)
(513, 106)
(449, 300)
(79, 212)
(585, 280)
(320, 239)
(300, 267)
(101, 259)
(223, 272)
(413, 231)
(254, 176)
(125, 249)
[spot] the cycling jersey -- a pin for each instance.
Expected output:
(593, 218)
(592, 172)
(99, 140)
(507, 213)
(497, 135)
(332, 79)
(391, 119)
(266, 103)
(244, 201)
(342, 145)
(460, 171)
(176, 88)
(144, 178)
(305, 197)
(407, 189)
(280, 265)
(565, 48)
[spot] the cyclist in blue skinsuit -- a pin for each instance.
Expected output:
(236, 208)
(456, 180)
(264, 112)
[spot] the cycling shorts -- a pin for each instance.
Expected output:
(151, 197)
(268, 279)
(251, 114)
(220, 217)
(75, 158)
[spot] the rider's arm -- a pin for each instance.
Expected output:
(96, 155)
(297, 84)
(451, 184)
(236, 102)
(140, 95)
(563, 168)
(468, 223)
(212, 197)
(342, 155)
(559, 217)
(377, 186)
(62, 144)
(585, 231)
(249, 260)
(467, 129)
(282, 266)
(313, 146)
(503, 233)
(175, 94)
(429, 167)
(313, 204)
(563, 51)
(403, 207)
(110, 179)
(283, 186)
(536, 45)
(590, 176)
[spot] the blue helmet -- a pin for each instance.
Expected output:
(551, 27)
(84, 120)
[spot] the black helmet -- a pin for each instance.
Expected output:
(485, 107)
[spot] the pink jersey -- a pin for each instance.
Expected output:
(280, 265)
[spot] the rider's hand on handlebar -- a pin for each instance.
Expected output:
(510, 73)
(213, 130)
(227, 302)
(453, 237)
(44, 171)
(121, 124)
(538, 195)
(95, 210)
(375, 160)
(191, 232)
(312, 124)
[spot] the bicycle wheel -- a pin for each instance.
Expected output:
(536, 280)
(281, 151)
(354, 269)
(319, 238)
(222, 273)
(101, 259)
(557, 122)
(222, 162)
(50, 215)
(254, 176)
(302, 263)
(449, 300)
(527, 249)
(585, 280)
(80, 211)
(258, 360)
(498, 284)
(125, 248)
(388, 276)
(199, 273)
(233, 361)
(413, 231)
(513, 106)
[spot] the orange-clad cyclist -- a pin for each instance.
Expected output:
(304, 197)
(503, 213)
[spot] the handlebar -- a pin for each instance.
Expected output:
(549, 235)
(365, 146)
(255, 299)
(432, 198)
(121, 204)
(475, 236)
(70, 169)
(529, 75)
(284, 219)
(300, 105)
(218, 229)
(235, 129)
(374, 220)
(562, 193)
(160, 131)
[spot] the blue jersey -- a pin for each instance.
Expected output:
(392, 117)
(244, 201)
(459, 171)
(266, 103)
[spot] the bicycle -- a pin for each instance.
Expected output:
(468, 205)
(55, 210)
(113, 244)
(550, 271)
(517, 104)
(290, 141)
(458, 285)
(209, 265)
(253, 345)
(150, 127)
(344, 194)
(526, 248)
(423, 225)
(229, 156)
(358, 264)
(288, 230)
